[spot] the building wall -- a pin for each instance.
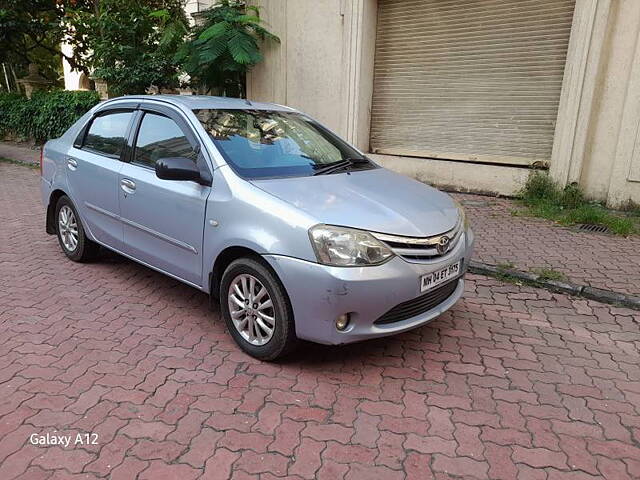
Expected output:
(193, 7)
(324, 67)
(624, 184)
(71, 77)
(614, 146)
(596, 138)
(305, 70)
(611, 86)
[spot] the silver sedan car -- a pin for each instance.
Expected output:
(297, 233)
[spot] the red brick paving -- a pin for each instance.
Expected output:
(514, 382)
(603, 261)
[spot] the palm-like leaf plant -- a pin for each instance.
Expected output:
(225, 47)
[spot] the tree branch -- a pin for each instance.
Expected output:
(20, 53)
(71, 60)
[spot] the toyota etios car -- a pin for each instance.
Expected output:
(297, 233)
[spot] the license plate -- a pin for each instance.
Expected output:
(432, 280)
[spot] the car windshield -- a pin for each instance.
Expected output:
(264, 144)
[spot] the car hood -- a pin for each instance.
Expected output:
(377, 200)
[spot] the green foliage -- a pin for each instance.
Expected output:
(225, 47)
(545, 273)
(572, 197)
(631, 208)
(11, 106)
(598, 215)
(27, 29)
(540, 188)
(47, 115)
(568, 206)
(131, 45)
(31, 31)
(508, 265)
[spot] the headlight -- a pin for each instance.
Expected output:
(346, 247)
(462, 213)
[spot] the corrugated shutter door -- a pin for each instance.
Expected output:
(469, 79)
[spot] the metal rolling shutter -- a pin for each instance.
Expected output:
(469, 79)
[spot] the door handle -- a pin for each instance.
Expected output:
(129, 186)
(72, 163)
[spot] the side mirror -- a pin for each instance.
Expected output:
(177, 168)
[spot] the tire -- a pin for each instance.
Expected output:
(283, 337)
(66, 216)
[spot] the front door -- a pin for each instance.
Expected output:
(93, 165)
(163, 220)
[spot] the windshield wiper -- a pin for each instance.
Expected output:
(339, 165)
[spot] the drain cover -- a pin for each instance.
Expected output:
(593, 228)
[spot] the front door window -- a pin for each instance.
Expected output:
(161, 137)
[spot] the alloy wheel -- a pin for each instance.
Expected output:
(251, 309)
(68, 228)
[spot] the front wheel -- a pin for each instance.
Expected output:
(71, 235)
(256, 310)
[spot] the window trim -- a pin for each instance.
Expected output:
(134, 144)
(173, 113)
(79, 143)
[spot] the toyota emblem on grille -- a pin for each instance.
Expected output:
(443, 244)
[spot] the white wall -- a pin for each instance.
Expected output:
(612, 165)
(71, 77)
(320, 67)
(597, 143)
(459, 176)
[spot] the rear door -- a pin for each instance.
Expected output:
(163, 220)
(93, 165)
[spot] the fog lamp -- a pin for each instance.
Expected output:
(342, 321)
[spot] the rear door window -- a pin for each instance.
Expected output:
(107, 134)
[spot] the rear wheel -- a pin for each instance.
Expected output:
(256, 310)
(71, 236)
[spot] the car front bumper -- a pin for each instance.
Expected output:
(320, 293)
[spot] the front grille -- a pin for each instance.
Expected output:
(419, 305)
(420, 248)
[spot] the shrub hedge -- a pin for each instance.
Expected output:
(46, 115)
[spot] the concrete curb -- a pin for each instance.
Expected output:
(585, 291)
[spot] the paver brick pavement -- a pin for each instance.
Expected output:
(609, 262)
(512, 383)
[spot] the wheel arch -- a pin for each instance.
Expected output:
(224, 259)
(51, 227)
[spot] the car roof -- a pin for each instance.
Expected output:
(194, 102)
